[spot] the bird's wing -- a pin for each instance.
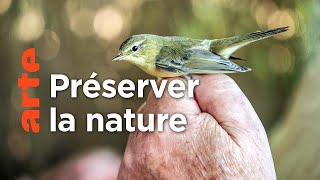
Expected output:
(197, 61)
(201, 61)
(170, 59)
(225, 47)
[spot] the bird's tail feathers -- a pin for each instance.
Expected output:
(225, 47)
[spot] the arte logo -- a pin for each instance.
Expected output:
(31, 113)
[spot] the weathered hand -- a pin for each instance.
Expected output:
(224, 138)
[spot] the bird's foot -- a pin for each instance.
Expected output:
(187, 77)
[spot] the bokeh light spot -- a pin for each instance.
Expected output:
(72, 6)
(282, 18)
(108, 23)
(81, 22)
(30, 26)
(48, 45)
(4, 6)
(263, 11)
(281, 59)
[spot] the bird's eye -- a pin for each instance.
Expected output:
(135, 48)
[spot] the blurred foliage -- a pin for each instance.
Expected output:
(77, 37)
(292, 141)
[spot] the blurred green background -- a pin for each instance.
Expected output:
(78, 37)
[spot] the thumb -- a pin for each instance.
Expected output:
(222, 98)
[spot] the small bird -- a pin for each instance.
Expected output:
(172, 56)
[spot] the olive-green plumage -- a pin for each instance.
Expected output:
(173, 56)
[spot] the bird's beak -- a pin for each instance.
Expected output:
(118, 57)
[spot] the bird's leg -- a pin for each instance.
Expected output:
(187, 77)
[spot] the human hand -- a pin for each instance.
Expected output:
(224, 138)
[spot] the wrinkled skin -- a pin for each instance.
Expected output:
(224, 138)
